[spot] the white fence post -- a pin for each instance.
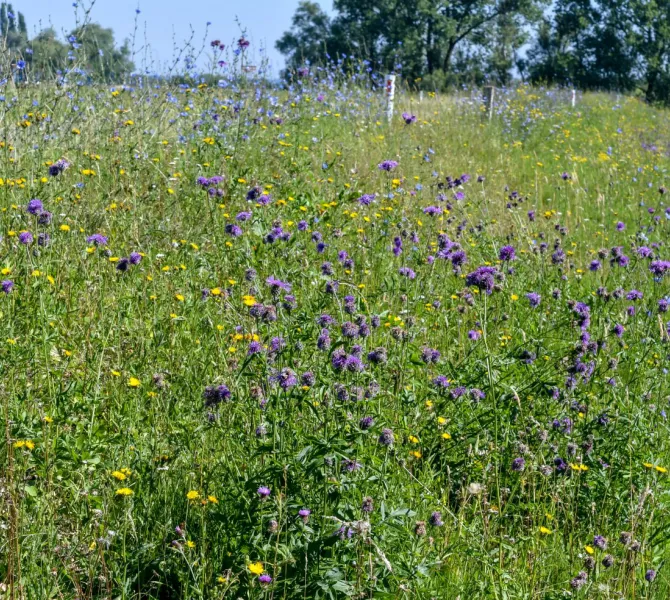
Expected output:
(489, 97)
(420, 95)
(390, 95)
(573, 99)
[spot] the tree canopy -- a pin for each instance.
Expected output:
(593, 44)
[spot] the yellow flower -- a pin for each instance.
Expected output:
(118, 475)
(545, 530)
(64, 227)
(661, 469)
(179, 297)
(256, 568)
(213, 499)
(29, 444)
(589, 549)
(248, 300)
(413, 439)
(446, 436)
(193, 495)
(124, 492)
(134, 382)
(190, 544)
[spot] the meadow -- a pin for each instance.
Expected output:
(261, 343)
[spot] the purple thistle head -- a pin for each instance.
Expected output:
(507, 253)
(34, 206)
(518, 464)
(386, 438)
(276, 285)
(26, 238)
(263, 492)
(97, 239)
(387, 165)
(533, 299)
(7, 286)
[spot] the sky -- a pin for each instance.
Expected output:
(169, 21)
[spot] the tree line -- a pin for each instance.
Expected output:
(621, 45)
(89, 48)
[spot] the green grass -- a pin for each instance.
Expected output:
(75, 334)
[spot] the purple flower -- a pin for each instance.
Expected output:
(518, 464)
(264, 579)
(507, 253)
(286, 378)
(650, 575)
(7, 286)
(276, 285)
(600, 542)
(429, 356)
(386, 438)
(254, 348)
(263, 492)
(407, 272)
(122, 264)
(474, 335)
(483, 278)
(366, 423)
(387, 165)
(659, 267)
(618, 330)
(408, 118)
(441, 382)
(620, 226)
(35, 206)
(436, 519)
(135, 258)
(96, 239)
(26, 238)
(533, 299)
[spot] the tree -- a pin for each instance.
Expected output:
(309, 38)
(100, 56)
(49, 54)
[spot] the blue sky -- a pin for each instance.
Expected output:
(265, 20)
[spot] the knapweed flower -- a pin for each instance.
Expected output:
(263, 492)
(507, 253)
(387, 165)
(518, 464)
(7, 286)
(533, 299)
(96, 239)
(276, 285)
(386, 438)
(26, 238)
(483, 278)
(264, 579)
(35, 206)
(436, 519)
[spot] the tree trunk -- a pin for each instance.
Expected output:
(446, 64)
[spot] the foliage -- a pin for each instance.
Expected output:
(260, 343)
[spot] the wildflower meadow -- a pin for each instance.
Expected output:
(261, 342)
